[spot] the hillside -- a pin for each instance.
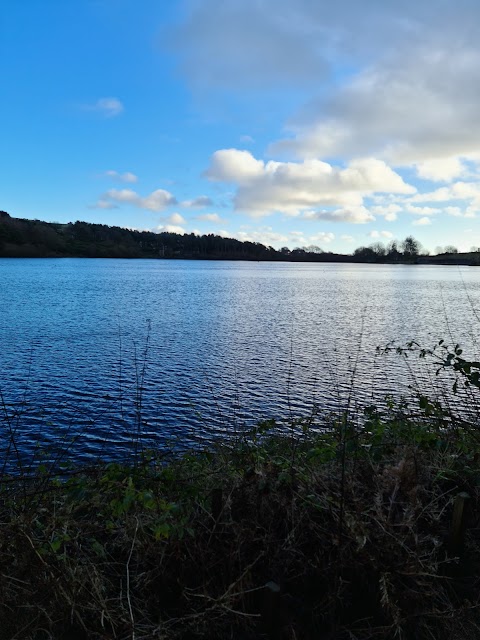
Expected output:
(23, 238)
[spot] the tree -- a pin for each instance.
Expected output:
(411, 247)
(313, 248)
(365, 254)
(450, 249)
(392, 250)
(379, 249)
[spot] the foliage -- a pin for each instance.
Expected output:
(33, 238)
(411, 247)
(445, 357)
(348, 520)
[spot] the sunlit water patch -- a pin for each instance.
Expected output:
(96, 354)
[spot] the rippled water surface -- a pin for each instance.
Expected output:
(93, 349)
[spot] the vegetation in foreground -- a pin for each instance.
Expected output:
(347, 533)
(336, 527)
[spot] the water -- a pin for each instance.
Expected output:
(92, 350)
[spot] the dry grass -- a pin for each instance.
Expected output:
(350, 531)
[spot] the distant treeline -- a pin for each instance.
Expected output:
(34, 238)
(21, 238)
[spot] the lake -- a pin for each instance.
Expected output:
(184, 351)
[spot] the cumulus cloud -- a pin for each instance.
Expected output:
(170, 228)
(381, 82)
(454, 211)
(355, 215)
(107, 107)
(264, 235)
(408, 100)
(197, 203)
(158, 200)
(234, 165)
(411, 93)
(421, 211)
(388, 211)
(456, 191)
(458, 199)
(209, 217)
(300, 239)
(380, 234)
(421, 222)
(121, 177)
(292, 187)
(413, 108)
(175, 219)
(322, 238)
(441, 169)
(267, 236)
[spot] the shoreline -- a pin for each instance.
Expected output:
(349, 531)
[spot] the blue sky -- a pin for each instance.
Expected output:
(287, 122)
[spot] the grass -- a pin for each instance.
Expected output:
(332, 529)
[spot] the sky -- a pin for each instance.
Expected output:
(286, 122)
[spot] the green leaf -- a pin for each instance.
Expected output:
(55, 544)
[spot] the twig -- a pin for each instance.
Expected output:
(130, 609)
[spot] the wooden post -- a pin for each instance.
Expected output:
(457, 533)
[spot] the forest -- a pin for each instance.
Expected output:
(22, 238)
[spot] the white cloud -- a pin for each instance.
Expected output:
(347, 238)
(469, 192)
(410, 94)
(292, 187)
(421, 211)
(454, 211)
(170, 228)
(247, 139)
(416, 107)
(380, 234)
(264, 235)
(322, 237)
(209, 217)
(441, 169)
(121, 177)
(108, 107)
(389, 211)
(234, 165)
(355, 215)
(443, 194)
(197, 203)
(175, 219)
(269, 237)
(156, 201)
(421, 222)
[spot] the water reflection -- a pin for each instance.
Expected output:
(228, 343)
